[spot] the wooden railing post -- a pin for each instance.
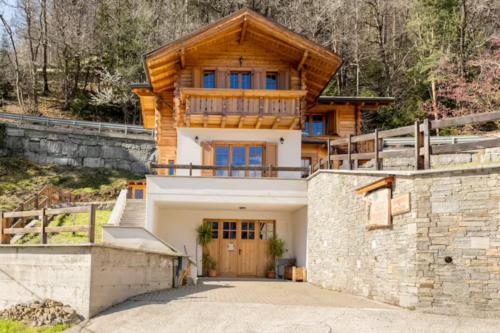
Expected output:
(43, 220)
(92, 224)
(349, 147)
(3, 224)
(426, 137)
(419, 161)
(328, 149)
(36, 200)
(376, 162)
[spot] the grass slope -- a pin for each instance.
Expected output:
(10, 326)
(19, 179)
(102, 217)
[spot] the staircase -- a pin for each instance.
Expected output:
(134, 214)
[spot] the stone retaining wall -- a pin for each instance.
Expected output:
(50, 145)
(453, 214)
(90, 278)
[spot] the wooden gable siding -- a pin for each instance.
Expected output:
(225, 57)
(166, 135)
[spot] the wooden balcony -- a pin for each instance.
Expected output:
(240, 108)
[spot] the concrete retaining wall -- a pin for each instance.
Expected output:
(90, 278)
(453, 214)
(76, 147)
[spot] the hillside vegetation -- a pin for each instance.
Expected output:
(439, 58)
(19, 179)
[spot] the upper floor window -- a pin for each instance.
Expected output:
(272, 80)
(239, 155)
(315, 125)
(209, 79)
(240, 80)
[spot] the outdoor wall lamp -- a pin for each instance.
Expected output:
(241, 61)
(196, 139)
(282, 140)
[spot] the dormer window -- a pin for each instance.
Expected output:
(240, 80)
(209, 79)
(271, 80)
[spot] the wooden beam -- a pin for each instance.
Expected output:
(384, 182)
(294, 123)
(223, 121)
(183, 58)
(205, 121)
(259, 123)
(303, 60)
(276, 122)
(242, 120)
(243, 29)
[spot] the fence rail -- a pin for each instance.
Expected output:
(81, 124)
(45, 216)
(269, 171)
(343, 152)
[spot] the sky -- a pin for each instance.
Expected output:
(6, 8)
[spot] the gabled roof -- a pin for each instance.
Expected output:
(320, 64)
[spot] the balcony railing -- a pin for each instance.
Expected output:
(267, 171)
(243, 101)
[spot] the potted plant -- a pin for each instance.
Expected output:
(210, 264)
(276, 250)
(204, 237)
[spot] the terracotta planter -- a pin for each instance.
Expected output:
(271, 275)
(212, 273)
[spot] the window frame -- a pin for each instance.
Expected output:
(247, 146)
(213, 72)
(309, 124)
(240, 74)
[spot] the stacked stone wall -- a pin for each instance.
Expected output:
(454, 214)
(49, 145)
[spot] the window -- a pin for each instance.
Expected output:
(272, 80)
(139, 194)
(266, 231)
(221, 159)
(306, 163)
(171, 171)
(315, 125)
(240, 80)
(215, 230)
(229, 230)
(239, 155)
(247, 230)
(209, 79)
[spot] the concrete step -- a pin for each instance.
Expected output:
(134, 213)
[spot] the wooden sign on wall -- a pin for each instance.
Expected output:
(380, 213)
(400, 204)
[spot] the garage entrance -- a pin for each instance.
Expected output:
(241, 246)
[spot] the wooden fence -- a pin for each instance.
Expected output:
(343, 153)
(45, 215)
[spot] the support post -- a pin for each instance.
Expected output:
(92, 224)
(349, 147)
(328, 149)
(376, 163)
(43, 219)
(190, 169)
(4, 239)
(426, 137)
(419, 161)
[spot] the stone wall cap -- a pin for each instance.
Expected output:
(89, 246)
(494, 167)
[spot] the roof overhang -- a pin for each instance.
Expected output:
(319, 63)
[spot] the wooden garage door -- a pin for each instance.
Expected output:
(240, 247)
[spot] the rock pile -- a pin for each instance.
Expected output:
(41, 313)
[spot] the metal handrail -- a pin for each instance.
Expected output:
(83, 124)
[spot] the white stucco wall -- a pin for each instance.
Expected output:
(190, 151)
(178, 226)
(299, 236)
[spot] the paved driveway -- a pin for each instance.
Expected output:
(268, 306)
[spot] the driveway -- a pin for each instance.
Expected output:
(235, 305)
